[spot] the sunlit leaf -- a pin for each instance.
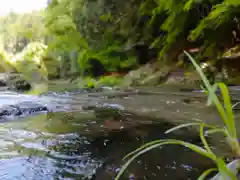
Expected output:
(204, 141)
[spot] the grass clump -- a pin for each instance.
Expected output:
(228, 130)
(89, 82)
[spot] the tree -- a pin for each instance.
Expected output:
(20, 29)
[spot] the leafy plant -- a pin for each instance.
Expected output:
(229, 131)
(89, 82)
(109, 81)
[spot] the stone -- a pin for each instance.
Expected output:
(136, 76)
(22, 109)
(154, 79)
(17, 82)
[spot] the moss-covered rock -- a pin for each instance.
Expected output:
(156, 74)
(149, 74)
(136, 76)
(14, 82)
(154, 79)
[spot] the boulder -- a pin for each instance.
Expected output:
(153, 79)
(14, 81)
(150, 74)
(22, 109)
(136, 76)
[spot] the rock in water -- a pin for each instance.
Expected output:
(14, 81)
(21, 110)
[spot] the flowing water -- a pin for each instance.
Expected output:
(85, 136)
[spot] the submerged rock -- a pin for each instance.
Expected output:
(22, 109)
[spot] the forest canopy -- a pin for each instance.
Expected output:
(115, 31)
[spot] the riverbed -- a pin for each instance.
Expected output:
(85, 134)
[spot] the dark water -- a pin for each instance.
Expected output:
(83, 144)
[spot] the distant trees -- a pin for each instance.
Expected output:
(17, 30)
(113, 31)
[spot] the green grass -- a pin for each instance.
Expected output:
(103, 81)
(228, 130)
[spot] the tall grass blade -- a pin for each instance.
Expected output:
(214, 89)
(204, 141)
(227, 116)
(228, 107)
(225, 172)
(188, 125)
(212, 94)
(216, 130)
(193, 147)
(181, 126)
(235, 105)
(206, 173)
(143, 147)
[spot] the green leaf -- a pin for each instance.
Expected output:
(214, 89)
(165, 142)
(228, 106)
(204, 141)
(224, 171)
(181, 126)
(216, 130)
(188, 5)
(212, 94)
(187, 125)
(206, 173)
(142, 147)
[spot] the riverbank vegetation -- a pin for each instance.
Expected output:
(126, 36)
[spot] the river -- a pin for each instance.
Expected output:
(85, 135)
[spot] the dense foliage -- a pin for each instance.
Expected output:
(102, 24)
(120, 32)
(17, 30)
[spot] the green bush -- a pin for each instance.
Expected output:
(109, 81)
(30, 63)
(103, 81)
